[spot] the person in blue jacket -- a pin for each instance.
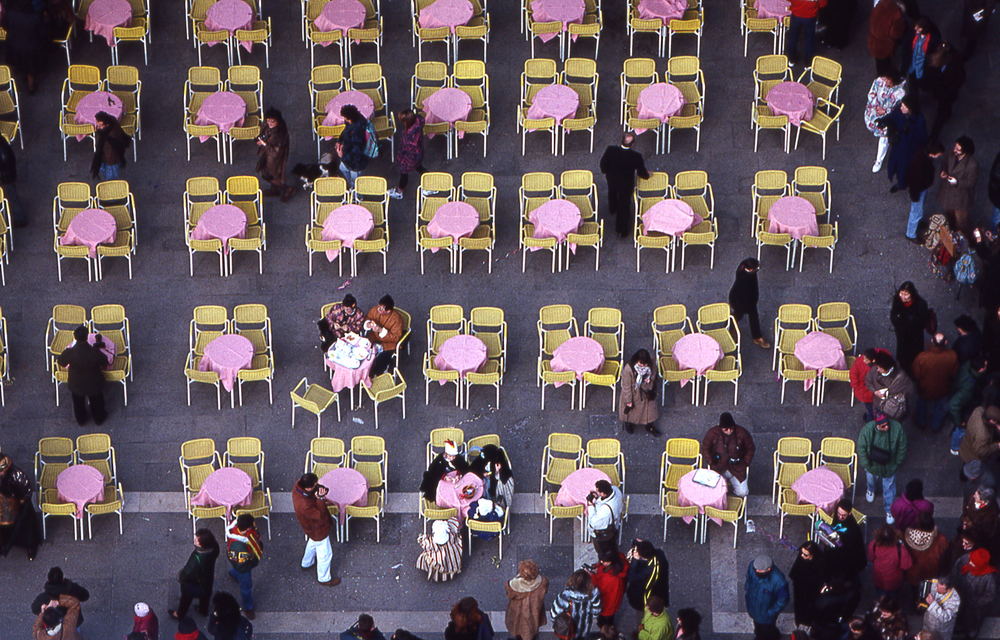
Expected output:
(766, 592)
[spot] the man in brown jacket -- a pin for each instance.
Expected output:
(885, 27)
(315, 520)
(385, 326)
(982, 434)
(728, 449)
(934, 371)
(58, 621)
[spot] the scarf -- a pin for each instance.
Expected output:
(521, 585)
(978, 564)
(642, 373)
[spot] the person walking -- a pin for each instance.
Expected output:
(893, 390)
(316, 522)
(885, 27)
(925, 38)
(934, 372)
(881, 448)
(188, 630)
(920, 175)
(928, 548)
(648, 574)
(655, 623)
(56, 584)
(468, 622)
(226, 623)
(969, 342)
(728, 449)
(145, 622)
(8, 180)
(743, 298)
(886, 92)
(981, 439)
(410, 155)
(976, 582)
(244, 550)
(765, 594)
(86, 377)
(272, 154)
(197, 578)
(620, 165)
(802, 27)
(581, 601)
(910, 318)
(609, 575)
(809, 574)
(363, 629)
(525, 601)
(943, 603)
(889, 559)
(849, 559)
(110, 144)
(688, 624)
(908, 134)
(352, 144)
(637, 405)
(959, 183)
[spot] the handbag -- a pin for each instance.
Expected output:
(563, 626)
(894, 405)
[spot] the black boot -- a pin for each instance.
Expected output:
(629, 427)
(652, 430)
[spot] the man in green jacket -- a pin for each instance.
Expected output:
(881, 449)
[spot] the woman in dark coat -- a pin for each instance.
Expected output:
(26, 39)
(850, 558)
(272, 154)
(743, 297)
(910, 317)
(468, 622)
(837, 17)
(410, 156)
(198, 576)
(907, 134)
(226, 623)
(808, 574)
(498, 479)
(18, 519)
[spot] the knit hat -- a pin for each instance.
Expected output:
(186, 625)
(439, 532)
(762, 562)
(141, 609)
(726, 420)
(450, 448)
(881, 418)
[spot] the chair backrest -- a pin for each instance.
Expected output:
(825, 69)
(202, 187)
(328, 452)
(833, 312)
(713, 314)
(68, 316)
(639, 69)
(474, 445)
(122, 76)
(568, 443)
(797, 316)
(446, 315)
(604, 448)
(770, 182)
(604, 318)
(486, 319)
(55, 449)
(772, 65)
(539, 71)
(682, 450)
(241, 187)
(367, 446)
(250, 314)
(469, 70)
(795, 449)
(198, 451)
(556, 314)
(210, 316)
(439, 435)
(657, 185)
(204, 78)
(838, 450)
(84, 77)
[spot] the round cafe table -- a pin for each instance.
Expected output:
(554, 101)
(697, 351)
(772, 8)
(672, 217)
(226, 355)
(226, 487)
(577, 486)
(347, 487)
(221, 222)
(80, 484)
(93, 103)
(455, 219)
(359, 99)
(449, 492)
(342, 377)
(447, 105)
(564, 11)
(580, 355)
(460, 353)
(818, 351)
(821, 487)
(228, 15)
(555, 219)
(340, 15)
(224, 109)
(104, 15)
(691, 493)
(793, 215)
(665, 10)
(446, 13)
(661, 101)
(90, 228)
(792, 99)
(347, 223)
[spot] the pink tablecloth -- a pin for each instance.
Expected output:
(346, 378)
(792, 215)
(80, 484)
(104, 15)
(347, 487)
(90, 228)
(579, 354)
(672, 217)
(226, 355)
(577, 486)
(697, 351)
(666, 10)
(792, 99)
(228, 15)
(222, 222)
(690, 493)
(108, 347)
(93, 103)
(554, 101)
(555, 219)
(359, 99)
(446, 13)
(224, 109)
(340, 15)
(449, 492)
(460, 353)
(564, 11)
(660, 101)
(455, 219)
(772, 8)
(818, 351)
(227, 487)
(821, 487)
(347, 223)
(447, 105)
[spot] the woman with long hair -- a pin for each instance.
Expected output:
(581, 600)
(688, 624)
(526, 601)
(198, 575)
(468, 622)
(890, 559)
(609, 575)
(272, 154)
(410, 156)
(910, 317)
(226, 622)
(808, 574)
(637, 403)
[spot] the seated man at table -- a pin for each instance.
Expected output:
(342, 318)
(605, 505)
(385, 327)
(728, 449)
(447, 461)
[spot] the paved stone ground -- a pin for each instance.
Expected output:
(871, 260)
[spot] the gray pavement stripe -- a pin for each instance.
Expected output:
(417, 622)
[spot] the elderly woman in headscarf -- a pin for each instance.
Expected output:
(272, 154)
(976, 581)
(526, 601)
(441, 552)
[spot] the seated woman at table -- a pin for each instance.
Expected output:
(498, 480)
(637, 404)
(447, 461)
(485, 510)
(18, 520)
(441, 552)
(385, 327)
(342, 318)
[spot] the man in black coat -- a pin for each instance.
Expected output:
(920, 178)
(86, 377)
(57, 585)
(620, 165)
(743, 296)
(648, 574)
(8, 180)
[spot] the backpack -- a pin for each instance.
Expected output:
(966, 270)
(938, 224)
(371, 141)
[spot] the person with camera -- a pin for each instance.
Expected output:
(604, 515)
(729, 450)
(943, 603)
(316, 522)
(648, 574)
(881, 449)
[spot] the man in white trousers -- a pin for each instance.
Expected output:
(315, 520)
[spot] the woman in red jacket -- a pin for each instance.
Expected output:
(859, 370)
(609, 577)
(889, 558)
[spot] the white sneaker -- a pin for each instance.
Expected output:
(876, 167)
(395, 194)
(889, 519)
(870, 495)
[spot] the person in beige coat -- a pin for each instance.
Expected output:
(958, 183)
(57, 620)
(526, 601)
(637, 404)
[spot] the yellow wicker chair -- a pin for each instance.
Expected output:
(385, 387)
(325, 454)
(671, 508)
(546, 377)
(734, 512)
(839, 456)
(791, 458)
(835, 375)
(315, 399)
(113, 503)
(789, 506)
(826, 238)
(50, 505)
(680, 456)
(374, 510)
(555, 512)
(562, 455)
